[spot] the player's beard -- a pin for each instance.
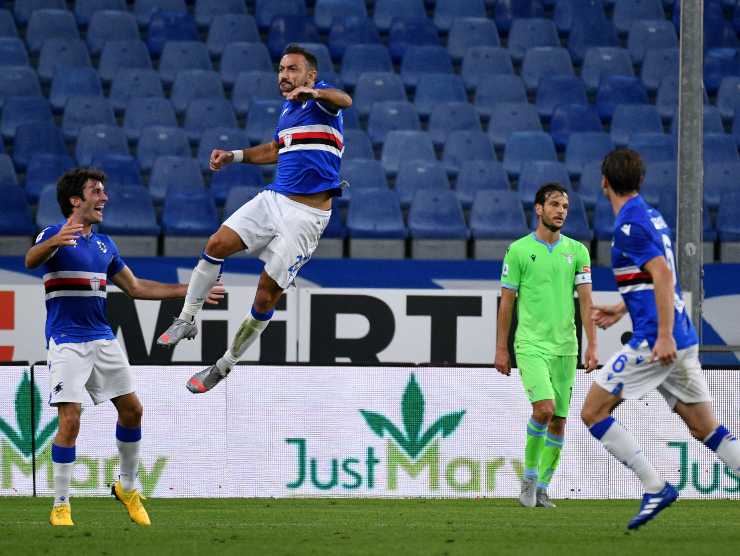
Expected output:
(551, 225)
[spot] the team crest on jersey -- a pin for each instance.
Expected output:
(287, 139)
(103, 247)
(568, 257)
(95, 283)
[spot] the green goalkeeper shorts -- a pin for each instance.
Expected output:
(548, 377)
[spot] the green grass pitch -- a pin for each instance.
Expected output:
(354, 526)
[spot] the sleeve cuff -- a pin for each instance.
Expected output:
(510, 286)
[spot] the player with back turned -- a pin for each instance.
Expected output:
(542, 271)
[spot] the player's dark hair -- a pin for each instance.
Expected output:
(72, 184)
(624, 170)
(546, 190)
(297, 49)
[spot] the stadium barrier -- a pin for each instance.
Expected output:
(287, 431)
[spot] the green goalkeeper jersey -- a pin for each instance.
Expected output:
(545, 277)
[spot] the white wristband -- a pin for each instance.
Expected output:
(238, 155)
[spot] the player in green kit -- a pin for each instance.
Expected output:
(543, 269)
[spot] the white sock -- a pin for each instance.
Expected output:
(248, 332)
(726, 446)
(62, 478)
(129, 442)
(205, 274)
(622, 446)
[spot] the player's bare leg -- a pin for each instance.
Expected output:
(63, 458)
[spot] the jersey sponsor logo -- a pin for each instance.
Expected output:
(625, 230)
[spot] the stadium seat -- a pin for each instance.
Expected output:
(523, 147)
(50, 24)
(207, 10)
(601, 62)
(591, 34)
(388, 10)
(174, 174)
(479, 175)
(121, 170)
(323, 61)
(626, 12)
(22, 110)
(658, 64)
(572, 118)
(495, 89)
(335, 231)
(421, 60)
(718, 64)
(585, 147)
(231, 177)
(362, 58)
(13, 52)
(482, 61)
(557, 90)
(145, 9)
(132, 83)
(389, 116)
(224, 138)
(182, 55)
(376, 214)
(417, 175)
(36, 138)
(728, 225)
(143, 112)
(289, 29)
(197, 83)
(719, 147)
(447, 117)
(589, 185)
(70, 82)
(62, 52)
(169, 26)
(506, 11)
(350, 31)
(536, 173)
(666, 100)
(7, 24)
(244, 56)
(190, 214)
(18, 81)
(543, 61)
(361, 174)
(629, 119)
(618, 89)
(649, 35)
(408, 32)
(123, 55)
(48, 212)
(447, 11)
(17, 221)
(402, 146)
(326, 11)
(728, 97)
(510, 117)
(7, 174)
(237, 195)
(462, 146)
(110, 25)
(356, 145)
(375, 87)
(99, 139)
(251, 86)
(156, 141)
(81, 111)
(130, 212)
(433, 89)
(659, 177)
(570, 13)
(437, 226)
(230, 27)
(203, 113)
(262, 119)
(719, 178)
(653, 147)
(84, 9)
(267, 10)
(470, 32)
(528, 33)
(43, 170)
(497, 215)
(23, 9)
(350, 118)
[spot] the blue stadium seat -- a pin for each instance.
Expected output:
(602, 62)
(99, 139)
(433, 89)
(225, 138)
(36, 138)
(203, 113)
(145, 9)
(629, 119)
(228, 28)
(618, 89)
(728, 97)
(323, 61)
(375, 87)
(389, 116)
(122, 170)
(110, 25)
(207, 10)
(603, 220)
(123, 55)
(174, 174)
(156, 141)
(589, 186)
(447, 117)
(7, 24)
(182, 55)
(81, 111)
(528, 33)
(169, 26)
(62, 52)
(719, 147)
(289, 29)
(523, 147)
(262, 119)
(70, 82)
(190, 213)
(362, 58)
(13, 52)
(267, 10)
(420, 60)
(510, 117)
(196, 83)
(7, 175)
(653, 147)
(666, 100)
(143, 112)
(350, 31)
(22, 110)
(388, 10)
(626, 12)
(326, 11)
(84, 9)
(712, 121)
(447, 11)
(231, 177)
(559, 89)
(462, 146)
(350, 118)
(506, 11)
(585, 147)
(43, 170)
(591, 34)
(536, 173)
(407, 32)
(356, 145)
(403, 146)
(18, 81)
(542, 61)
(24, 8)
(479, 175)
(335, 229)
(572, 118)
(659, 177)
(361, 174)
(497, 214)
(437, 215)
(417, 175)
(469, 32)
(131, 83)
(251, 86)
(48, 212)
(17, 219)
(648, 35)
(657, 64)
(375, 213)
(495, 89)
(728, 225)
(570, 13)
(718, 64)
(238, 196)
(50, 24)
(243, 56)
(130, 212)
(719, 178)
(482, 61)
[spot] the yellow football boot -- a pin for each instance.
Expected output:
(61, 515)
(132, 500)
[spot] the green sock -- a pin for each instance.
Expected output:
(533, 448)
(550, 459)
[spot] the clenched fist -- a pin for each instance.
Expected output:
(219, 159)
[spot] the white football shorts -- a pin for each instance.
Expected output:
(630, 374)
(280, 231)
(99, 367)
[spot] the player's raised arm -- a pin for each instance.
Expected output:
(45, 248)
(664, 349)
(335, 98)
(266, 153)
(139, 288)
